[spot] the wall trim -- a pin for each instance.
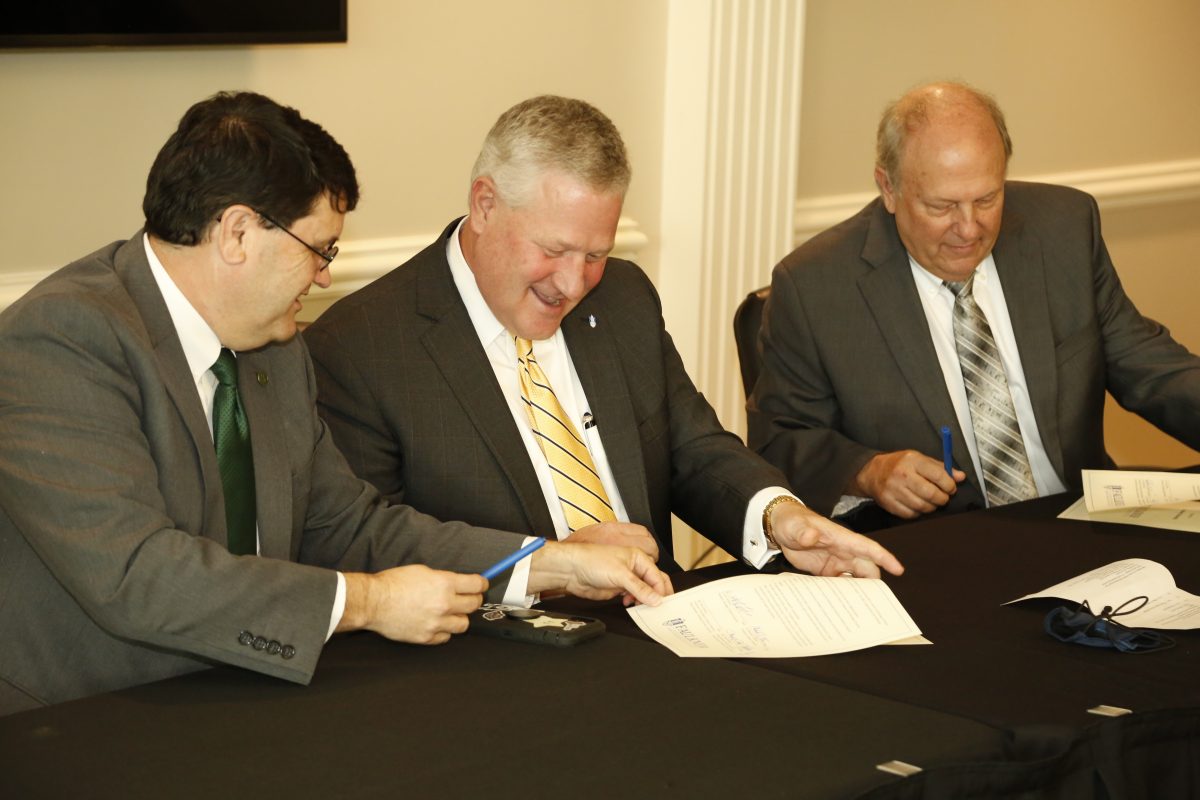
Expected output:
(359, 262)
(1153, 183)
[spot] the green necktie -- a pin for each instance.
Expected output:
(231, 435)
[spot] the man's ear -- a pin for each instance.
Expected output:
(229, 235)
(483, 200)
(886, 190)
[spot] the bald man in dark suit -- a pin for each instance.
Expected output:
(861, 364)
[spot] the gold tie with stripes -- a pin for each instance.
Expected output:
(584, 501)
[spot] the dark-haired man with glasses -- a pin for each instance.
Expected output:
(168, 496)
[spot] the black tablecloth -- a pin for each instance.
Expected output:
(481, 717)
(994, 663)
(995, 708)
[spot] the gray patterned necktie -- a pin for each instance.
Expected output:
(1007, 477)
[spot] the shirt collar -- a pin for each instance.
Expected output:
(487, 327)
(200, 343)
(931, 284)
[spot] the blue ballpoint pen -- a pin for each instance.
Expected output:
(948, 450)
(506, 562)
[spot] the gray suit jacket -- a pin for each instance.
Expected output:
(113, 566)
(849, 367)
(412, 401)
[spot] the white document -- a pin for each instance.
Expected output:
(1108, 489)
(1119, 582)
(1171, 517)
(777, 616)
(1169, 500)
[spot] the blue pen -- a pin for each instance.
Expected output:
(509, 560)
(948, 450)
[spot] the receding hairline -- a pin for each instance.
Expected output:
(923, 105)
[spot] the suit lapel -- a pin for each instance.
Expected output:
(601, 373)
(134, 272)
(455, 350)
(272, 474)
(1022, 271)
(891, 295)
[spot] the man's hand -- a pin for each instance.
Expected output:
(622, 534)
(906, 483)
(598, 572)
(822, 547)
(411, 604)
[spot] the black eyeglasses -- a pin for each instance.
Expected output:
(329, 255)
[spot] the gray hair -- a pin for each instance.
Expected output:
(552, 133)
(912, 111)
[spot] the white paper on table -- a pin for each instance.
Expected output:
(1108, 489)
(1171, 516)
(1112, 585)
(776, 616)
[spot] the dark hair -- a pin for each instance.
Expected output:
(243, 148)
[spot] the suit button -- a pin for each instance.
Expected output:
(288, 651)
(245, 637)
(273, 648)
(260, 643)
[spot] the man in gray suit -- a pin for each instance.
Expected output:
(429, 378)
(963, 300)
(130, 549)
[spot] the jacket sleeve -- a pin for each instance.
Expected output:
(794, 416)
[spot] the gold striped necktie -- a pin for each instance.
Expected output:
(583, 499)
(1007, 477)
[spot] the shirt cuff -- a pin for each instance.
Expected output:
(847, 503)
(755, 550)
(339, 605)
(515, 594)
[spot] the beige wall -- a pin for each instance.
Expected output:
(1086, 84)
(410, 96)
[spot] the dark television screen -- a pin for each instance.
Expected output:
(137, 23)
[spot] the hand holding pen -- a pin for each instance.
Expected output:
(908, 483)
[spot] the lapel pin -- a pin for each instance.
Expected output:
(262, 378)
(592, 320)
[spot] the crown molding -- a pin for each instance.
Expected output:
(1152, 183)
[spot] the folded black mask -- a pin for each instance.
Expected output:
(1080, 625)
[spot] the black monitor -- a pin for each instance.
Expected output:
(159, 23)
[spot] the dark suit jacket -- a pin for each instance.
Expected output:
(412, 401)
(113, 566)
(849, 367)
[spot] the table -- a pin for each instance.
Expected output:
(993, 664)
(480, 717)
(995, 708)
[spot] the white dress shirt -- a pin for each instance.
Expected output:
(555, 360)
(201, 346)
(938, 303)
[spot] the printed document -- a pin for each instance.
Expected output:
(777, 616)
(1121, 581)
(1169, 500)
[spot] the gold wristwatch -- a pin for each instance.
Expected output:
(766, 519)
